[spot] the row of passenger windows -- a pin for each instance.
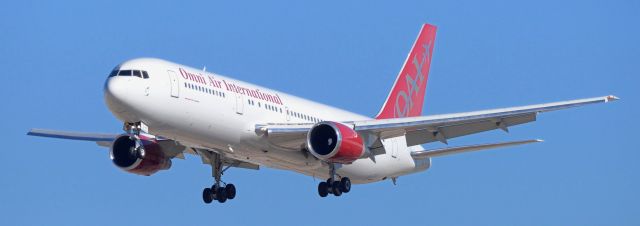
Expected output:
(204, 90)
(266, 106)
(254, 103)
(279, 110)
(303, 116)
(136, 73)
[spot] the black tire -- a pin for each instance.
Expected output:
(221, 195)
(231, 191)
(335, 188)
(345, 185)
(323, 189)
(206, 196)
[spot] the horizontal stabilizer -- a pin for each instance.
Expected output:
(469, 148)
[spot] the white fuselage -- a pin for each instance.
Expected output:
(205, 110)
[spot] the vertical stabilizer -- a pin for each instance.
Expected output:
(407, 95)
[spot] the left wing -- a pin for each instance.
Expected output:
(426, 129)
(102, 139)
(106, 139)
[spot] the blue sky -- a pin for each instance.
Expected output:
(56, 55)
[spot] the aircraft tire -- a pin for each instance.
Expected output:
(345, 185)
(221, 195)
(207, 197)
(231, 191)
(335, 188)
(323, 189)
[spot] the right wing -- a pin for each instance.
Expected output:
(426, 129)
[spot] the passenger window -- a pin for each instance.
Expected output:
(124, 73)
(145, 75)
(137, 74)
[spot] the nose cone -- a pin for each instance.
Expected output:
(115, 89)
(115, 95)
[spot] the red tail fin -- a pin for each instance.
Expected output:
(407, 95)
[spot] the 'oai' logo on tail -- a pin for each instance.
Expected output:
(413, 84)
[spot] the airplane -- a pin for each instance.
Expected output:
(169, 110)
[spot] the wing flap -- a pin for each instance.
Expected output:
(417, 137)
(462, 149)
(207, 157)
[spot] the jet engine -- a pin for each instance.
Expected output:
(143, 157)
(335, 142)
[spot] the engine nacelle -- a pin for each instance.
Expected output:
(146, 159)
(335, 142)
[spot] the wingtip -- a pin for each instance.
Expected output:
(612, 98)
(539, 140)
(30, 132)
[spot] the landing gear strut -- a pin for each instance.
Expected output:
(219, 191)
(333, 186)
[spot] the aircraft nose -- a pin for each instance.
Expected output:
(115, 88)
(115, 91)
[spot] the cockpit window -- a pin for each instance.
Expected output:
(113, 73)
(137, 73)
(125, 73)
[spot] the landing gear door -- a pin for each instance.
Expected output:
(394, 148)
(175, 85)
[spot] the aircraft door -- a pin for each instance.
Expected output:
(175, 84)
(288, 114)
(239, 104)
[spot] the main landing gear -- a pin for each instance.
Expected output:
(333, 186)
(220, 191)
